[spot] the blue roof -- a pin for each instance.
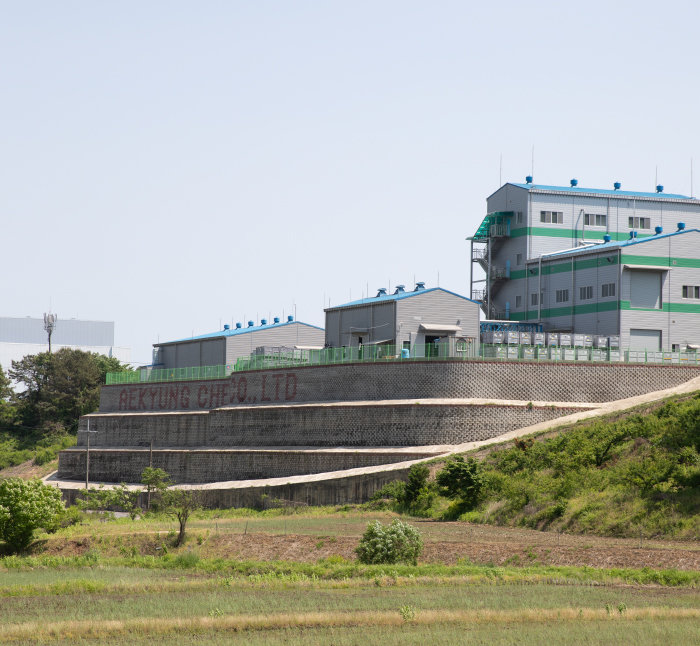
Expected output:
(237, 331)
(396, 297)
(602, 191)
(618, 243)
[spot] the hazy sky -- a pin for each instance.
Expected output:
(174, 166)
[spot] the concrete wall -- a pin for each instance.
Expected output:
(314, 425)
(198, 466)
(334, 490)
(401, 380)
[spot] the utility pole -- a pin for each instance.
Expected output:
(87, 456)
(49, 325)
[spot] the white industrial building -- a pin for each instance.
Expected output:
(421, 322)
(592, 261)
(225, 347)
(20, 337)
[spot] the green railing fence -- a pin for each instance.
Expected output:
(454, 350)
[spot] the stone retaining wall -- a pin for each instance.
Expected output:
(199, 466)
(588, 382)
(313, 425)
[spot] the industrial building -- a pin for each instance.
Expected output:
(22, 336)
(420, 322)
(226, 346)
(592, 261)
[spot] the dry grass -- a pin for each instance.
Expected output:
(239, 623)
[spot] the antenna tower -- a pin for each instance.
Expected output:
(49, 325)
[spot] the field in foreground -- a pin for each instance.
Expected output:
(59, 601)
(291, 578)
(65, 603)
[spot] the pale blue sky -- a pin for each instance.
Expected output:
(174, 165)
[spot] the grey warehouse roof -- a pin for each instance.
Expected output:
(384, 298)
(604, 246)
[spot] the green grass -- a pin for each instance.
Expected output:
(637, 474)
(56, 602)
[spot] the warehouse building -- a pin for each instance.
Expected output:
(226, 346)
(565, 229)
(23, 336)
(645, 290)
(421, 322)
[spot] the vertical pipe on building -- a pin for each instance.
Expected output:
(539, 292)
(488, 278)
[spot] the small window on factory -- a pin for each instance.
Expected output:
(518, 259)
(519, 218)
(639, 223)
(595, 220)
(533, 299)
(585, 293)
(552, 217)
(562, 296)
(518, 302)
(691, 291)
(607, 290)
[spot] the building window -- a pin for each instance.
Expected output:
(518, 301)
(518, 259)
(519, 217)
(595, 220)
(585, 293)
(553, 217)
(691, 291)
(607, 290)
(639, 223)
(562, 296)
(533, 299)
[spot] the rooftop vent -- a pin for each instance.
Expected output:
(574, 182)
(400, 289)
(239, 326)
(681, 226)
(659, 188)
(607, 238)
(617, 186)
(276, 319)
(227, 327)
(263, 322)
(251, 323)
(290, 318)
(381, 292)
(658, 230)
(419, 286)
(528, 179)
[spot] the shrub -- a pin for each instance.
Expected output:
(417, 479)
(25, 506)
(395, 543)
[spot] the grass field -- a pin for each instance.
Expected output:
(120, 605)
(290, 578)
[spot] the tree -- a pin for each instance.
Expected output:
(25, 506)
(180, 503)
(59, 388)
(461, 479)
(7, 412)
(417, 480)
(156, 480)
(119, 497)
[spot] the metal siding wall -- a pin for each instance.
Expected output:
(435, 307)
(241, 345)
(376, 318)
(213, 352)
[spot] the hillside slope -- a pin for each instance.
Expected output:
(639, 474)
